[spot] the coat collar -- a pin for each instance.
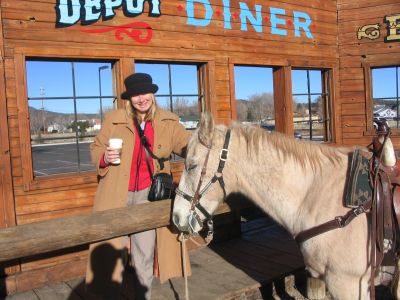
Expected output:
(161, 115)
(122, 116)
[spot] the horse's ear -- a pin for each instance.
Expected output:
(206, 128)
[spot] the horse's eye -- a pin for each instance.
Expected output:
(190, 167)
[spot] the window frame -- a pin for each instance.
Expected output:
(122, 68)
(233, 84)
(30, 182)
(326, 96)
(283, 97)
(281, 85)
(204, 98)
(74, 98)
(369, 105)
(202, 69)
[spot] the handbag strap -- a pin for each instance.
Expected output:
(148, 164)
(145, 143)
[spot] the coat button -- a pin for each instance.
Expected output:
(159, 146)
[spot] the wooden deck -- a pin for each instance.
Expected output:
(234, 269)
(265, 263)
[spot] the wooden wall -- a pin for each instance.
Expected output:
(354, 54)
(28, 29)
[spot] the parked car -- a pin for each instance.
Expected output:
(269, 127)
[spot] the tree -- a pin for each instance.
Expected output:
(35, 121)
(80, 126)
(183, 107)
(241, 110)
(261, 107)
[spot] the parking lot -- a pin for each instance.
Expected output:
(61, 158)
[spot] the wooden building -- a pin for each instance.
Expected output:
(341, 39)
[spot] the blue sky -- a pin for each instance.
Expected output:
(55, 79)
(385, 82)
(261, 81)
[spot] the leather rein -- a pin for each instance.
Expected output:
(218, 176)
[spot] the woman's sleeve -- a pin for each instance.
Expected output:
(99, 145)
(180, 139)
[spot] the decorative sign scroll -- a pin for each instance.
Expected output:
(134, 30)
(369, 31)
(372, 32)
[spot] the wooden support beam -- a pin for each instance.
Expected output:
(283, 99)
(7, 210)
(40, 237)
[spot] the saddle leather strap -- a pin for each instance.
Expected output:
(396, 203)
(382, 219)
(337, 222)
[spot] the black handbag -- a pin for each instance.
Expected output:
(162, 186)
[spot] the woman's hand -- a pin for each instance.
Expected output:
(112, 155)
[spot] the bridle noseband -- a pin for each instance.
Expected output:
(218, 176)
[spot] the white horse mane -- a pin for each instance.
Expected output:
(299, 150)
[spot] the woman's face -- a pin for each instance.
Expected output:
(142, 103)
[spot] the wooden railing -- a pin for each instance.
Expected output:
(41, 237)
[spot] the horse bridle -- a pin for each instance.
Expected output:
(218, 176)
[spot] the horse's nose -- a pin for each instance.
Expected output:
(176, 219)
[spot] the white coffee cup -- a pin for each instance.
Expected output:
(116, 144)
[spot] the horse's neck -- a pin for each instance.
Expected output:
(278, 185)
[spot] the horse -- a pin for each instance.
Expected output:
(298, 183)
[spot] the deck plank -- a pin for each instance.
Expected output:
(56, 291)
(29, 295)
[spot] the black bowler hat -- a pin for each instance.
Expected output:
(137, 84)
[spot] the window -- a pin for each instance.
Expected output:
(312, 104)
(67, 100)
(385, 94)
(180, 89)
(254, 95)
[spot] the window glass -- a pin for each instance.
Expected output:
(159, 73)
(66, 101)
(310, 105)
(254, 95)
(385, 94)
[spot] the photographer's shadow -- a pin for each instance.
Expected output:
(105, 283)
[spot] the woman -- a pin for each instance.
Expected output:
(128, 182)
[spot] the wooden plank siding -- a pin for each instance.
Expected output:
(355, 95)
(7, 207)
(28, 29)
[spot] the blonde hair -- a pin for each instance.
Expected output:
(149, 115)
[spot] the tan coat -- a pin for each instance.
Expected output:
(107, 259)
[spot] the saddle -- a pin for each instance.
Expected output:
(373, 188)
(384, 203)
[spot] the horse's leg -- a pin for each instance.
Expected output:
(344, 287)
